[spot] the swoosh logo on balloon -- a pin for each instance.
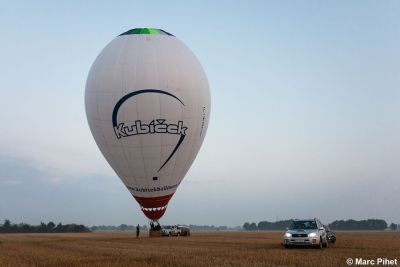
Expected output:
(144, 91)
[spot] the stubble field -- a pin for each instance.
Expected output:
(200, 249)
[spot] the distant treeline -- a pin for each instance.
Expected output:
(213, 228)
(113, 228)
(130, 228)
(370, 224)
(50, 227)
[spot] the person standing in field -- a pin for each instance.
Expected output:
(137, 231)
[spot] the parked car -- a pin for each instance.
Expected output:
(185, 231)
(310, 232)
(179, 231)
(175, 231)
(165, 230)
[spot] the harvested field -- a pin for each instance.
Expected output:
(200, 249)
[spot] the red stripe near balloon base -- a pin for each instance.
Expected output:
(154, 207)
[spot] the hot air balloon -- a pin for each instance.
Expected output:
(147, 103)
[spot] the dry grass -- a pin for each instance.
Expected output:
(201, 249)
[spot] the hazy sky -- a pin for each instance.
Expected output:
(305, 118)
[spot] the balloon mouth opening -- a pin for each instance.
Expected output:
(154, 213)
(153, 207)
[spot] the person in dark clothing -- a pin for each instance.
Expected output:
(137, 231)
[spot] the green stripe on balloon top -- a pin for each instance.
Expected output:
(146, 31)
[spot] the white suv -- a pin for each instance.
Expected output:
(309, 232)
(175, 231)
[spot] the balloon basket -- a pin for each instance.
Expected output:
(154, 233)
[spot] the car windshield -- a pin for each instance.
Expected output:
(304, 225)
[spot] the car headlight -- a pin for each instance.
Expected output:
(288, 235)
(312, 235)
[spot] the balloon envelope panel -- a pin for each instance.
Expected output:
(148, 102)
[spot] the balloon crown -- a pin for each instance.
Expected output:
(146, 31)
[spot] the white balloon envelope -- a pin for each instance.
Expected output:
(148, 105)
